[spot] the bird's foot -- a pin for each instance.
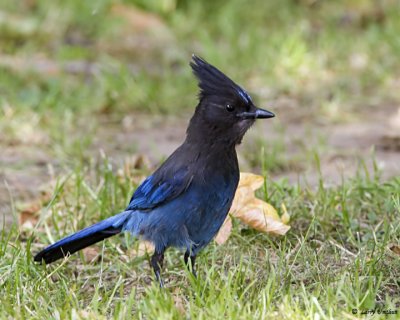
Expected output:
(191, 265)
(157, 263)
(159, 279)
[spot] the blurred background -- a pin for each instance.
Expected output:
(81, 81)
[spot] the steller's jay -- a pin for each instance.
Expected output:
(185, 201)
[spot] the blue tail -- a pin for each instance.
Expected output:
(82, 239)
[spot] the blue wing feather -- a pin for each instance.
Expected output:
(158, 189)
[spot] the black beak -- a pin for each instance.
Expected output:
(256, 114)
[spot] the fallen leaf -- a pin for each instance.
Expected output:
(225, 231)
(395, 248)
(258, 219)
(261, 216)
(252, 211)
(253, 181)
(29, 216)
(245, 194)
(285, 217)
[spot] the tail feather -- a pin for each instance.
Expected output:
(82, 239)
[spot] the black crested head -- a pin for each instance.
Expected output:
(213, 82)
(225, 110)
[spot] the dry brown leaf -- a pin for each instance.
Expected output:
(285, 218)
(225, 231)
(258, 219)
(395, 248)
(29, 216)
(245, 193)
(252, 211)
(262, 217)
(253, 181)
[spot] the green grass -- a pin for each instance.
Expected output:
(335, 258)
(68, 73)
(325, 52)
(330, 61)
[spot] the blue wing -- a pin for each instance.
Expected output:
(158, 189)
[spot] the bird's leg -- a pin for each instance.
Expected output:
(157, 261)
(192, 262)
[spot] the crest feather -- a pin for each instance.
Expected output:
(214, 82)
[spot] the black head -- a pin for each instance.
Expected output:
(225, 111)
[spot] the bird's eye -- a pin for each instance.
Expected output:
(230, 108)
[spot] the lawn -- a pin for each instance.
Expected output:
(94, 95)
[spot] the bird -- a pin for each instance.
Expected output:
(185, 201)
